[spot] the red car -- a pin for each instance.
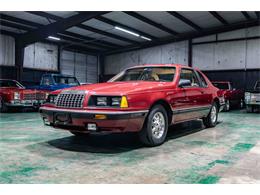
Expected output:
(144, 99)
(13, 94)
(233, 97)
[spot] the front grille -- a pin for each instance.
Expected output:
(29, 96)
(70, 100)
(34, 96)
(40, 96)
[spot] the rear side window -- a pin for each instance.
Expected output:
(188, 74)
(202, 79)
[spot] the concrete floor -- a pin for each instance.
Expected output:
(33, 153)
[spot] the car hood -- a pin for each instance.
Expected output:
(121, 88)
(14, 89)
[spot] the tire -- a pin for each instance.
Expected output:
(249, 109)
(211, 121)
(227, 106)
(78, 134)
(3, 107)
(155, 127)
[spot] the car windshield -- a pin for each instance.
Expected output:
(257, 85)
(10, 83)
(221, 85)
(66, 80)
(161, 74)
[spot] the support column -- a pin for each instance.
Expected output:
(19, 57)
(101, 68)
(190, 52)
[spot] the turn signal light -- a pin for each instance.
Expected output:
(100, 116)
(124, 103)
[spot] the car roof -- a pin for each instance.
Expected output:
(162, 65)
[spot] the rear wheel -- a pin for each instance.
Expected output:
(212, 118)
(227, 106)
(155, 128)
(3, 107)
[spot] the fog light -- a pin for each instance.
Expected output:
(100, 116)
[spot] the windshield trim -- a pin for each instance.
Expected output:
(142, 67)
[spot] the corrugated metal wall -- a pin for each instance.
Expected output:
(228, 55)
(170, 53)
(84, 67)
(7, 50)
(41, 56)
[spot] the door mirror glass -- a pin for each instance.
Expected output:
(184, 83)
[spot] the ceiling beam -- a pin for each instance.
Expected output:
(186, 36)
(58, 26)
(9, 33)
(219, 17)
(246, 15)
(185, 20)
(152, 23)
(19, 20)
(15, 25)
(78, 37)
(85, 27)
(114, 23)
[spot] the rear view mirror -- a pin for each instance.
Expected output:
(184, 83)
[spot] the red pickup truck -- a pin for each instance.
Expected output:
(144, 99)
(233, 97)
(13, 94)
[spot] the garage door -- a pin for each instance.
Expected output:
(84, 67)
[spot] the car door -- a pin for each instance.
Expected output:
(191, 102)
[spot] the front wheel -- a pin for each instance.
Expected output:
(155, 128)
(212, 118)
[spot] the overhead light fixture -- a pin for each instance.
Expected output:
(146, 38)
(127, 31)
(132, 33)
(54, 38)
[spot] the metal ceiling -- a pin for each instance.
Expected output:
(95, 32)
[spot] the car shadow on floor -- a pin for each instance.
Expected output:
(120, 142)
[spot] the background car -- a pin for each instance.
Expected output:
(233, 97)
(252, 98)
(144, 99)
(52, 82)
(13, 94)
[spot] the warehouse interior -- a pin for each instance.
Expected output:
(95, 46)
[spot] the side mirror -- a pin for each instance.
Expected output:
(184, 83)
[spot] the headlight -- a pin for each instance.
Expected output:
(16, 95)
(108, 101)
(116, 101)
(101, 101)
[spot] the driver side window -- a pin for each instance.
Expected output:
(188, 74)
(46, 81)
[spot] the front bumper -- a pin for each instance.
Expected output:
(78, 120)
(25, 103)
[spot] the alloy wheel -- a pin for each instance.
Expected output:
(158, 125)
